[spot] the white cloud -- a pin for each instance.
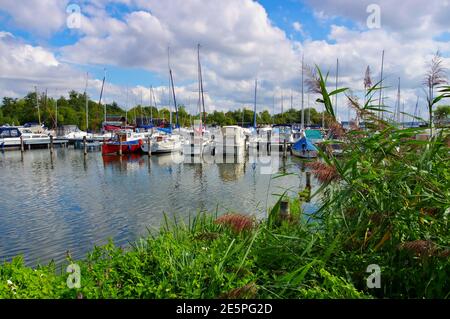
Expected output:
(412, 18)
(41, 17)
(297, 26)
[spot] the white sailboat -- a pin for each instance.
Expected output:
(163, 143)
(198, 140)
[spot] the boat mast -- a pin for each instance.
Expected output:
(154, 101)
(303, 106)
(254, 111)
(308, 122)
(151, 103)
(126, 108)
(174, 99)
(101, 94)
(37, 105)
(87, 105)
(200, 84)
(56, 110)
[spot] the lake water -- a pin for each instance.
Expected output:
(53, 204)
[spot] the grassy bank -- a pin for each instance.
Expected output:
(229, 257)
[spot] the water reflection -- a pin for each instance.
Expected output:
(68, 201)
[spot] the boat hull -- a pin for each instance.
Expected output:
(304, 154)
(162, 147)
(127, 147)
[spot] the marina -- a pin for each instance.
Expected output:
(229, 151)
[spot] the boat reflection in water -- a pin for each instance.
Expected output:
(170, 159)
(126, 162)
(231, 172)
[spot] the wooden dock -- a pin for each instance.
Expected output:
(29, 144)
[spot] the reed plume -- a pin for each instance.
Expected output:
(237, 222)
(323, 172)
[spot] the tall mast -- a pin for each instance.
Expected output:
(303, 103)
(254, 111)
(174, 98)
(381, 85)
(37, 105)
(142, 110)
(335, 97)
(151, 104)
(56, 110)
(101, 94)
(126, 108)
(309, 111)
(87, 105)
(200, 86)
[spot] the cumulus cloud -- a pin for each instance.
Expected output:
(412, 18)
(42, 17)
(239, 43)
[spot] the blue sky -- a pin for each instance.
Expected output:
(241, 40)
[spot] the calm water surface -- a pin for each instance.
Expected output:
(50, 205)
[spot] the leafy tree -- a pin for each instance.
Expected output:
(442, 112)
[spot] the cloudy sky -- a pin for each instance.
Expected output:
(44, 44)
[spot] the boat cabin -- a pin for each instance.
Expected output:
(9, 132)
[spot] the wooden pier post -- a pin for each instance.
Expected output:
(84, 146)
(120, 146)
(308, 180)
(22, 149)
(51, 144)
(149, 145)
(284, 149)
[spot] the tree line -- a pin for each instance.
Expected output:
(72, 111)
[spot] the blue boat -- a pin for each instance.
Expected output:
(304, 148)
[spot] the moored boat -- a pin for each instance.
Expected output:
(304, 148)
(163, 143)
(124, 141)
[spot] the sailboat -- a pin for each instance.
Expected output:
(198, 140)
(165, 141)
(304, 148)
(261, 135)
(124, 141)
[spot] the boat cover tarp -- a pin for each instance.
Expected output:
(313, 134)
(167, 130)
(304, 144)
